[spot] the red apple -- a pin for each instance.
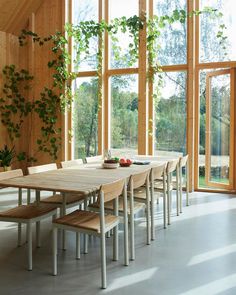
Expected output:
(122, 160)
(129, 161)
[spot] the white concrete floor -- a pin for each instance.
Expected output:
(196, 255)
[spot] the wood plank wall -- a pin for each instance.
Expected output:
(46, 20)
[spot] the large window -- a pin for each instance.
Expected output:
(170, 114)
(166, 115)
(85, 117)
(124, 115)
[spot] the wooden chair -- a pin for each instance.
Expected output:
(27, 214)
(97, 224)
(140, 194)
(72, 200)
(165, 186)
(183, 181)
(136, 181)
(94, 159)
(72, 163)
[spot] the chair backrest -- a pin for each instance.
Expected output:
(183, 161)
(139, 179)
(112, 190)
(171, 166)
(72, 163)
(94, 159)
(157, 172)
(11, 174)
(42, 168)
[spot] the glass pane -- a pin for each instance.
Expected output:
(124, 115)
(173, 38)
(85, 117)
(220, 120)
(219, 128)
(170, 114)
(210, 51)
(86, 10)
(118, 9)
(202, 130)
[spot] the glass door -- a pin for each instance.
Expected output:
(219, 129)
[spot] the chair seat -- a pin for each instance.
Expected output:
(109, 206)
(86, 220)
(28, 211)
(140, 195)
(58, 199)
(158, 185)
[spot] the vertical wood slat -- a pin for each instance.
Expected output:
(142, 87)
(151, 116)
(232, 165)
(103, 111)
(191, 104)
(66, 118)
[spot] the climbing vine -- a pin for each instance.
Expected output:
(56, 99)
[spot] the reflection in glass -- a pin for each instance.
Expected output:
(219, 101)
(219, 132)
(124, 115)
(173, 38)
(85, 117)
(210, 51)
(123, 40)
(86, 10)
(170, 114)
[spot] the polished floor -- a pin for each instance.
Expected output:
(196, 255)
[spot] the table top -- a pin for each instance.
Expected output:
(83, 179)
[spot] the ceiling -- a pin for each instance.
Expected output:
(14, 14)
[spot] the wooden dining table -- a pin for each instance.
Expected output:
(81, 179)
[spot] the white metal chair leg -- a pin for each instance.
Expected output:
(38, 243)
(19, 243)
(181, 189)
(164, 200)
(187, 184)
(177, 192)
(19, 224)
(168, 200)
(77, 245)
(63, 212)
(152, 210)
(103, 261)
(148, 213)
(103, 242)
(115, 244)
(126, 230)
(85, 236)
(54, 249)
(132, 256)
(28, 196)
(115, 232)
(29, 239)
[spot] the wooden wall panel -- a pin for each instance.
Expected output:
(47, 20)
(11, 53)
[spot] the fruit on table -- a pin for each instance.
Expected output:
(125, 161)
